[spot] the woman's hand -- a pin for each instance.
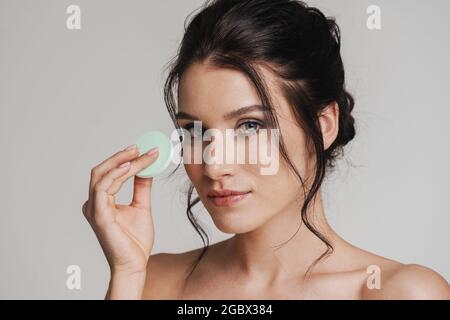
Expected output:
(125, 232)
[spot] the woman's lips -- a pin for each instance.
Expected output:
(228, 200)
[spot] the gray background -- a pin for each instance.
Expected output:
(69, 99)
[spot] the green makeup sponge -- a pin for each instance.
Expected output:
(149, 141)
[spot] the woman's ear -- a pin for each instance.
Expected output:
(329, 123)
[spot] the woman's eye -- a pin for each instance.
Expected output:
(195, 134)
(245, 128)
(249, 127)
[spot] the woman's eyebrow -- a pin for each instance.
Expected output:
(228, 116)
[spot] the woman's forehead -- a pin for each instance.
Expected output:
(205, 89)
(201, 85)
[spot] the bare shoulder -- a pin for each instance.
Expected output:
(166, 273)
(396, 280)
(410, 282)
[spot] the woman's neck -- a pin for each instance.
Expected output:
(277, 251)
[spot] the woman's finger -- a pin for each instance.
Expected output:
(136, 165)
(143, 186)
(112, 162)
(102, 197)
(84, 207)
(87, 209)
(142, 193)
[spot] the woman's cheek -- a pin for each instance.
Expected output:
(194, 173)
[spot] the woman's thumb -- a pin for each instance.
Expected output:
(142, 193)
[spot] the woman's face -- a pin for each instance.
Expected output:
(209, 94)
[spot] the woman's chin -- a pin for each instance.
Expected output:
(234, 223)
(233, 229)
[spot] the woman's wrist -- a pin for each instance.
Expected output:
(126, 285)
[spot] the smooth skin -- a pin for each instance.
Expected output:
(245, 266)
(125, 232)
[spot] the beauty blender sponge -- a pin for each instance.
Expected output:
(152, 140)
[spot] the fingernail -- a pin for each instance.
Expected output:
(153, 151)
(130, 147)
(126, 164)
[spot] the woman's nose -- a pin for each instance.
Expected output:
(218, 171)
(216, 165)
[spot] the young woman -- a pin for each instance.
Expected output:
(250, 65)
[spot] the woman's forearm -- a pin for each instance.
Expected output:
(126, 286)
